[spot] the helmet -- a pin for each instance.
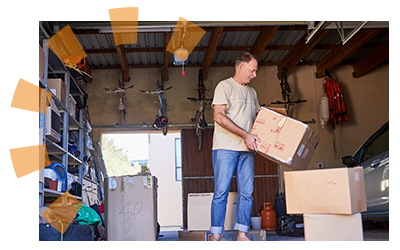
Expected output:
(160, 122)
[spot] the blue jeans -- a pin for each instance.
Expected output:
(225, 164)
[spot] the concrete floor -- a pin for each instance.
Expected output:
(370, 234)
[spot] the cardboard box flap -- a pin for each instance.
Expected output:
(281, 111)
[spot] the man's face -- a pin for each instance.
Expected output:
(249, 71)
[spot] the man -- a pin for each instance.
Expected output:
(235, 107)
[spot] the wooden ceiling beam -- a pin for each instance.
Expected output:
(193, 65)
(263, 39)
(211, 48)
(166, 55)
(373, 59)
(123, 61)
(337, 56)
(220, 48)
(300, 50)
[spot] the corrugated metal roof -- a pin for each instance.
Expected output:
(232, 38)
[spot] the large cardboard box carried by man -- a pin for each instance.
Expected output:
(284, 140)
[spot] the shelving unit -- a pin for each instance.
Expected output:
(54, 68)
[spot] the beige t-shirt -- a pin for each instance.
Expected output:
(242, 108)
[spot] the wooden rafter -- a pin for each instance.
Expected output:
(211, 48)
(300, 50)
(166, 55)
(263, 39)
(343, 52)
(220, 48)
(123, 61)
(373, 59)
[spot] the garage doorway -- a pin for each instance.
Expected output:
(125, 153)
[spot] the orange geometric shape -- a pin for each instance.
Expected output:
(186, 36)
(28, 96)
(124, 24)
(182, 19)
(45, 97)
(62, 211)
(67, 47)
(27, 160)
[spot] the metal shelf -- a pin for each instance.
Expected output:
(55, 68)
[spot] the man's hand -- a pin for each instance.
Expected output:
(225, 122)
(250, 141)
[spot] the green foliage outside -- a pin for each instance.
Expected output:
(116, 160)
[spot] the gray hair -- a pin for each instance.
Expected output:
(244, 58)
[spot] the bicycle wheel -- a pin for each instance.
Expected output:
(200, 85)
(200, 138)
(122, 112)
(165, 130)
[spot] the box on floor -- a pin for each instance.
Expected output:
(131, 208)
(333, 227)
(199, 211)
(202, 235)
(284, 140)
(325, 191)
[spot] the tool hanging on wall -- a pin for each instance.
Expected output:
(337, 109)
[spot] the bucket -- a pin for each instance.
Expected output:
(255, 222)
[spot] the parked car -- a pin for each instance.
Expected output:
(373, 156)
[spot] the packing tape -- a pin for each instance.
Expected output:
(123, 184)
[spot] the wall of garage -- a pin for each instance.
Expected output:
(366, 99)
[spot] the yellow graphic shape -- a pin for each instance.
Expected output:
(27, 160)
(28, 96)
(124, 24)
(62, 211)
(67, 47)
(185, 38)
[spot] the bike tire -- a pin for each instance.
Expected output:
(165, 130)
(122, 112)
(200, 138)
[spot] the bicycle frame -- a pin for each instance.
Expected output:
(121, 95)
(161, 101)
(286, 93)
(200, 119)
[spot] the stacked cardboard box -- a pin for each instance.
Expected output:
(331, 201)
(131, 208)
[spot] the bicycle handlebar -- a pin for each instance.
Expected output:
(279, 102)
(196, 99)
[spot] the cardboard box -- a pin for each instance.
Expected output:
(284, 140)
(131, 208)
(325, 191)
(58, 87)
(199, 211)
(41, 62)
(332, 227)
(253, 234)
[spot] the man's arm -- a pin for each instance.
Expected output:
(225, 122)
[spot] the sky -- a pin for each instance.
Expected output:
(135, 145)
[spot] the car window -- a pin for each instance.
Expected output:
(376, 144)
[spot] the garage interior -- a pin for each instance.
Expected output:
(354, 53)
